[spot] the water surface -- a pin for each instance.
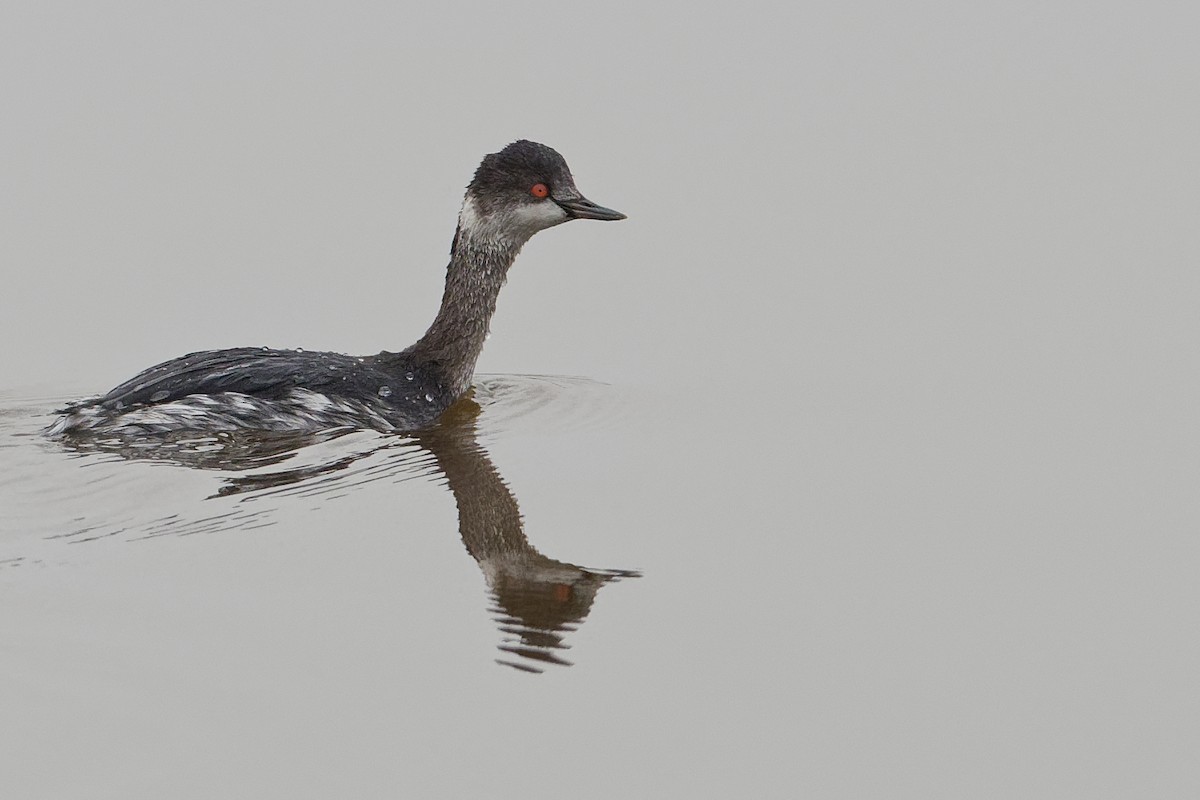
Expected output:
(93, 490)
(892, 406)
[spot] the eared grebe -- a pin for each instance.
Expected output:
(515, 193)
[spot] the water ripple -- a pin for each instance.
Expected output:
(133, 490)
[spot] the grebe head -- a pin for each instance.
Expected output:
(523, 189)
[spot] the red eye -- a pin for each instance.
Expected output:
(539, 190)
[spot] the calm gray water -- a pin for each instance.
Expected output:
(863, 459)
(256, 478)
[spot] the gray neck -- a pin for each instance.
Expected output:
(477, 270)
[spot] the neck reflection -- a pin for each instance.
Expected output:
(536, 600)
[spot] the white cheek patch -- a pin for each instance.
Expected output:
(540, 215)
(510, 225)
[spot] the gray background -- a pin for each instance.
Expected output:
(902, 423)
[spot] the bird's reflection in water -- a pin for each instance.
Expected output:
(535, 600)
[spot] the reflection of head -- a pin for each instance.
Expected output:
(537, 599)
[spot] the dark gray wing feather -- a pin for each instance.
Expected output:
(249, 370)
